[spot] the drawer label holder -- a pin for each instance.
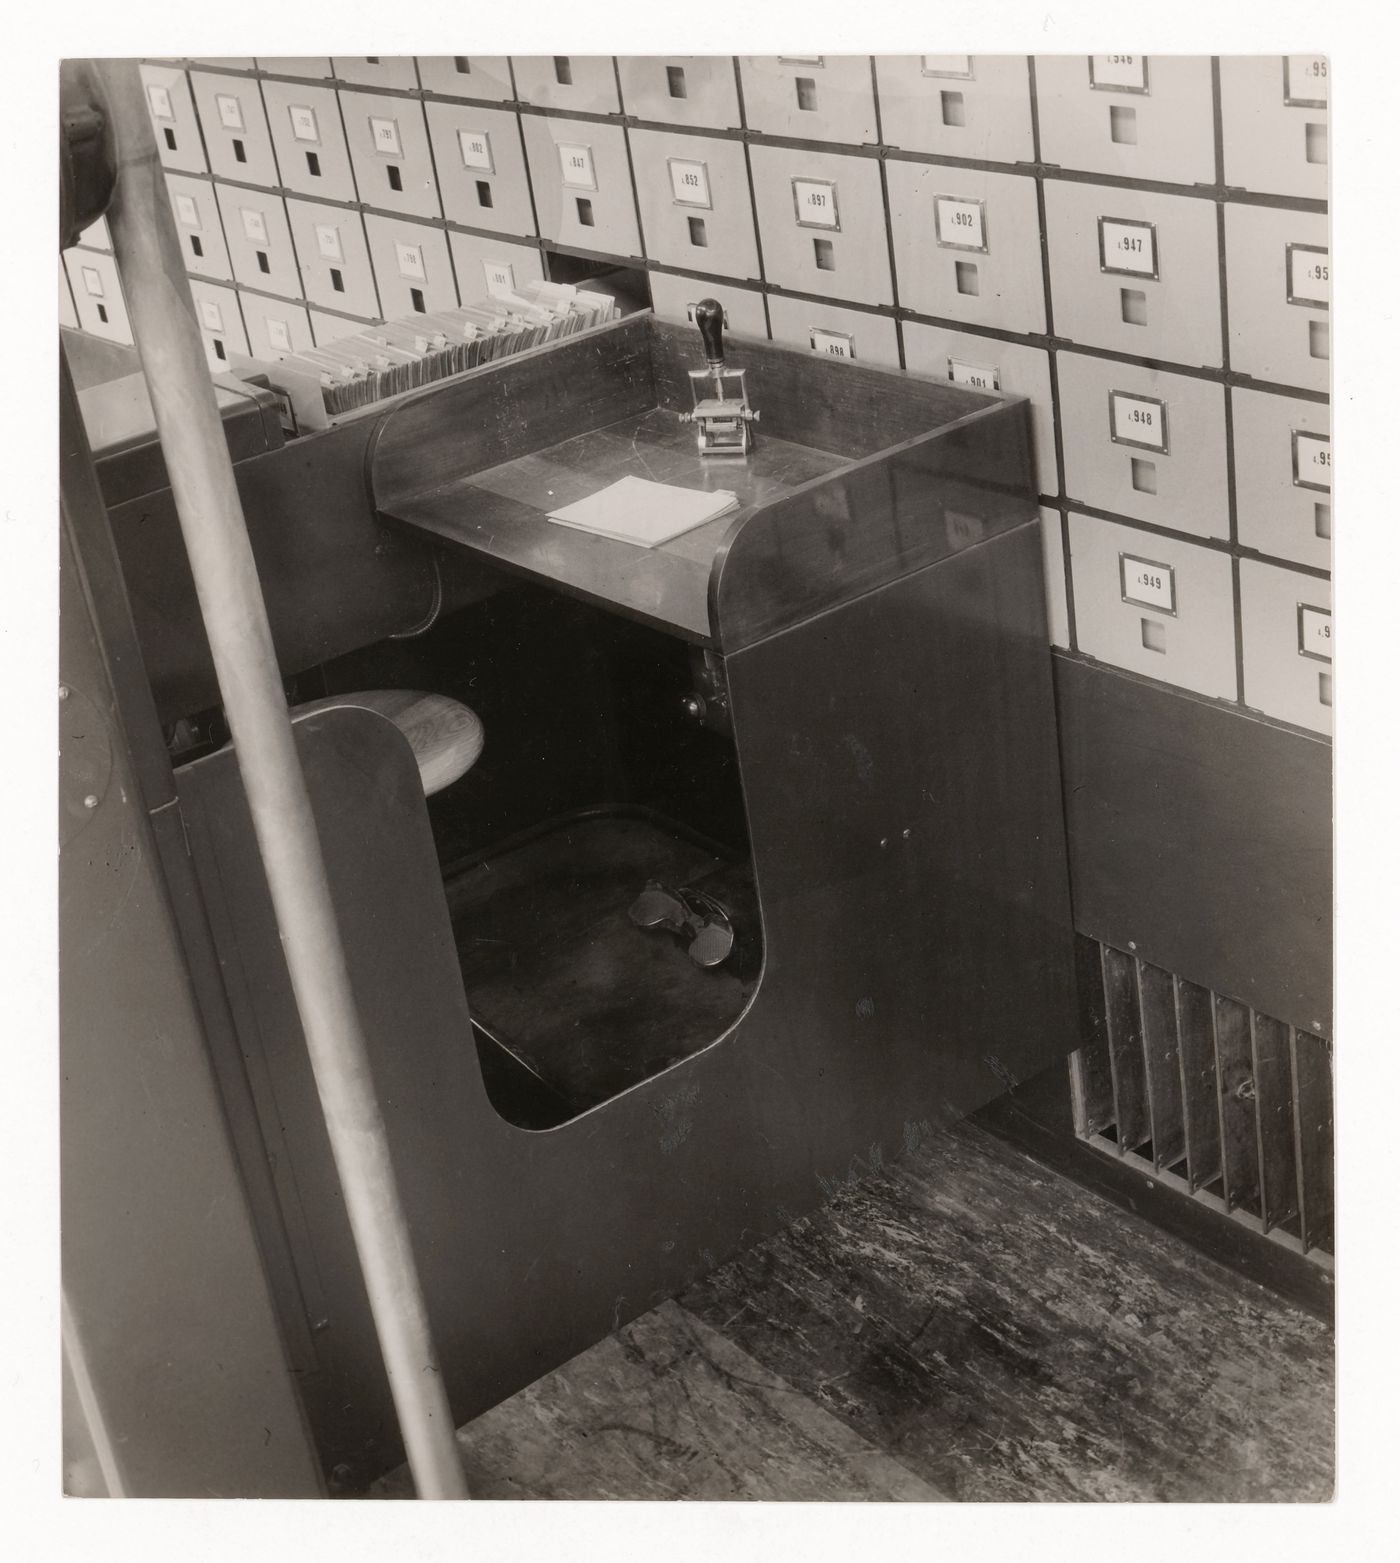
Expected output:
(1147, 583)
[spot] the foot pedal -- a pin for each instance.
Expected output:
(696, 917)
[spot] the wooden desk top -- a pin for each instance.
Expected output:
(501, 513)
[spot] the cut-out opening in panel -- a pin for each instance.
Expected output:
(806, 93)
(263, 264)
(395, 177)
(170, 139)
(313, 165)
(483, 193)
(1122, 124)
(1154, 635)
(1322, 520)
(697, 232)
(416, 297)
(965, 273)
(102, 313)
(196, 247)
(1133, 306)
(1319, 339)
(585, 211)
(239, 155)
(337, 281)
(675, 81)
(218, 347)
(954, 108)
(461, 64)
(1324, 688)
(1144, 475)
(825, 253)
(1315, 143)
(563, 70)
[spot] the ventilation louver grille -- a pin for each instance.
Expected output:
(1206, 1094)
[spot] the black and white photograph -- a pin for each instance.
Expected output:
(693, 698)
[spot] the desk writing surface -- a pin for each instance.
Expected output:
(501, 513)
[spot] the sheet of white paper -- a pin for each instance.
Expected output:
(636, 510)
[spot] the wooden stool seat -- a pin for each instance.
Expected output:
(445, 735)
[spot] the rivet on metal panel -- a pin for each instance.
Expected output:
(90, 802)
(63, 691)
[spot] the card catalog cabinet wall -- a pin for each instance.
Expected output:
(1048, 226)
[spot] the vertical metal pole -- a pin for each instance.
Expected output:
(235, 618)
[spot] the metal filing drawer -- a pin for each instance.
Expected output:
(484, 76)
(1279, 272)
(957, 105)
(388, 70)
(331, 328)
(173, 119)
(389, 147)
(481, 167)
(988, 363)
(1286, 625)
(412, 268)
(1135, 271)
(582, 184)
(333, 256)
(220, 318)
(1137, 116)
(97, 295)
(821, 218)
(967, 245)
(813, 97)
(259, 240)
(492, 266)
(583, 83)
(1145, 443)
(312, 156)
(674, 297)
(234, 122)
(1274, 123)
(275, 327)
(1283, 476)
(693, 192)
(199, 226)
(681, 89)
(1154, 605)
(853, 334)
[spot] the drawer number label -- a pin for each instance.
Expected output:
(500, 277)
(973, 375)
(960, 224)
(1309, 275)
(1305, 81)
(211, 315)
(410, 261)
(1137, 420)
(187, 211)
(1314, 632)
(303, 123)
(576, 166)
(159, 99)
(1312, 460)
(230, 111)
(254, 227)
(1118, 72)
(815, 203)
(385, 135)
(92, 281)
(475, 147)
(278, 335)
(1127, 247)
(955, 65)
(1147, 583)
(328, 241)
(832, 344)
(690, 183)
